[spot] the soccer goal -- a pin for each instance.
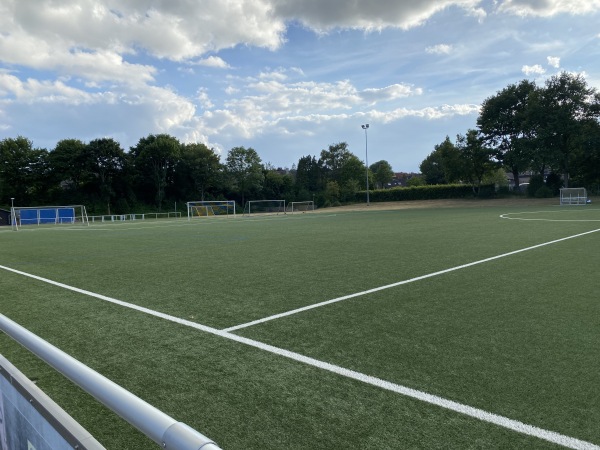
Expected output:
(209, 208)
(573, 196)
(48, 215)
(301, 207)
(264, 207)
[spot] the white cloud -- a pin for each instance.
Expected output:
(441, 49)
(554, 61)
(392, 92)
(533, 70)
(204, 99)
(278, 75)
(547, 8)
(213, 61)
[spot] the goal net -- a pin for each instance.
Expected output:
(264, 207)
(48, 215)
(209, 208)
(573, 196)
(297, 207)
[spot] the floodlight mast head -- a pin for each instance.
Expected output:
(365, 126)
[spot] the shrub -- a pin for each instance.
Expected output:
(544, 192)
(430, 192)
(535, 182)
(554, 182)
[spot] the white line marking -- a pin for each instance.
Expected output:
(511, 216)
(399, 283)
(485, 416)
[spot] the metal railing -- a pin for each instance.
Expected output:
(158, 426)
(136, 216)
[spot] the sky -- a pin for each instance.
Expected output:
(287, 78)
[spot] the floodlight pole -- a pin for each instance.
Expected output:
(366, 127)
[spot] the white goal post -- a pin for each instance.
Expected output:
(296, 207)
(209, 208)
(53, 215)
(573, 196)
(264, 207)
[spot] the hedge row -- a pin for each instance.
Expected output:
(424, 193)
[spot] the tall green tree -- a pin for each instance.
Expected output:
(67, 170)
(277, 185)
(352, 177)
(333, 159)
(199, 172)
(585, 163)
(443, 165)
(308, 175)
(155, 158)
(476, 158)
(105, 160)
(568, 104)
(245, 170)
(382, 173)
(507, 125)
(345, 168)
(23, 171)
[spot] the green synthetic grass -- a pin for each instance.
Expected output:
(517, 336)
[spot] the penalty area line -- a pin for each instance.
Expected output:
(476, 413)
(399, 283)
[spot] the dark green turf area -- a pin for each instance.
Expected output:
(517, 336)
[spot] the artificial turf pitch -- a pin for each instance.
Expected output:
(516, 336)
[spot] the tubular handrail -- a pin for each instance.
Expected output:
(158, 426)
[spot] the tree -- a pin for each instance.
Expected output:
(244, 167)
(352, 177)
(476, 158)
(105, 160)
(308, 174)
(506, 123)
(23, 171)
(155, 158)
(568, 104)
(443, 165)
(346, 169)
(276, 185)
(382, 173)
(199, 171)
(586, 159)
(66, 167)
(333, 159)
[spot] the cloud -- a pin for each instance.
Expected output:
(441, 49)
(533, 70)
(395, 91)
(554, 61)
(374, 15)
(213, 61)
(547, 8)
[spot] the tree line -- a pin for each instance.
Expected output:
(551, 131)
(159, 171)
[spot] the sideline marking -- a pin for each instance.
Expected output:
(480, 414)
(152, 224)
(399, 283)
